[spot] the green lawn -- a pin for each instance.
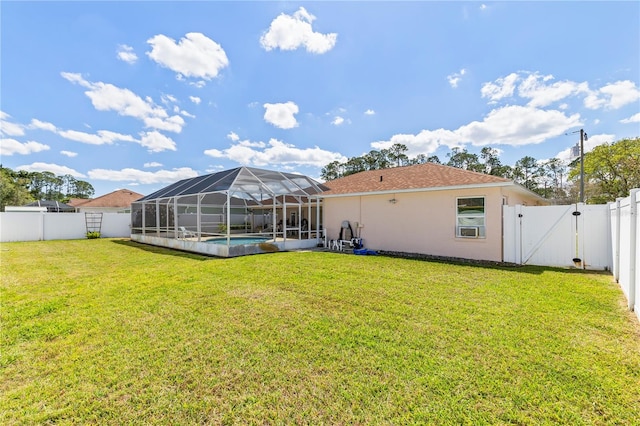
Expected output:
(113, 332)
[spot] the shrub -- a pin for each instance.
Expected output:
(93, 234)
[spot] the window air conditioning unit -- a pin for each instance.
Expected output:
(469, 231)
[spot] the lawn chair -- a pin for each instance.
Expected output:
(185, 233)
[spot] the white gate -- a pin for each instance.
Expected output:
(564, 236)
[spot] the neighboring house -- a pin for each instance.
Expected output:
(51, 206)
(425, 208)
(114, 202)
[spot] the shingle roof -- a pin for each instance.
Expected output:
(428, 175)
(119, 198)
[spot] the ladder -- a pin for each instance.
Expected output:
(93, 221)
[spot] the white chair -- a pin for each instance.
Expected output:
(185, 233)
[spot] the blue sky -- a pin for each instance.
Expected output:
(140, 94)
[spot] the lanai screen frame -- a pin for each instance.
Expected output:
(225, 195)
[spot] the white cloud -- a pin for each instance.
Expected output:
(233, 136)
(502, 88)
(143, 177)
(50, 167)
(102, 137)
(541, 91)
(152, 164)
(42, 125)
(337, 121)
(157, 142)
(455, 78)
(633, 119)
(196, 100)
(425, 142)
(510, 125)
(613, 95)
(198, 84)
(126, 54)
(69, 154)
(533, 87)
(11, 146)
(166, 99)
(369, 112)
(517, 125)
(275, 153)
(107, 97)
(8, 128)
(186, 114)
(281, 115)
(289, 32)
(195, 55)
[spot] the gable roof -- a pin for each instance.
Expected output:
(119, 198)
(408, 178)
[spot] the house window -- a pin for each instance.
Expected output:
(470, 218)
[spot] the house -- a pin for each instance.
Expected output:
(51, 206)
(426, 209)
(118, 201)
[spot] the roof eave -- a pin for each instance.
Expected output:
(428, 189)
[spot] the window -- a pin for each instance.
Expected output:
(470, 218)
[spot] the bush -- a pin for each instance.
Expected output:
(93, 234)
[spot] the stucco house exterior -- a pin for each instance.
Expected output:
(427, 209)
(118, 201)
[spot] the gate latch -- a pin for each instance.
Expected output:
(576, 213)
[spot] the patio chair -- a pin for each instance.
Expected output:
(185, 233)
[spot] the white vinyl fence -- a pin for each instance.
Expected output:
(625, 242)
(576, 236)
(30, 226)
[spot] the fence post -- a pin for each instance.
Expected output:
(616, 241)
(633, 237)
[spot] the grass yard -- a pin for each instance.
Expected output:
(113, 332)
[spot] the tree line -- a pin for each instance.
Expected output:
(20, 187)
(610, 170)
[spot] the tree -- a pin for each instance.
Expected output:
(331, 171)
(554, 169)
(22, 187)
(492, 164)
(610, 171)
(526, 172)
(81, 189)
(463, 159)
(397, 154)
(13, 190)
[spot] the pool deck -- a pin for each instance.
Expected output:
(192, 244)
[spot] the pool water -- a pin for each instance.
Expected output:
(238, 241)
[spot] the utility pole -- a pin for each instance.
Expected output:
(583, 137)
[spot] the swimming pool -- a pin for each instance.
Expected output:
(238, 241)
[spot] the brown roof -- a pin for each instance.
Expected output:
(119, 198)
(75, 202)
(419, 176)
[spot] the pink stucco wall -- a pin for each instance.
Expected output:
(422, 222)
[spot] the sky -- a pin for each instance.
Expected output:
(138, 95)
